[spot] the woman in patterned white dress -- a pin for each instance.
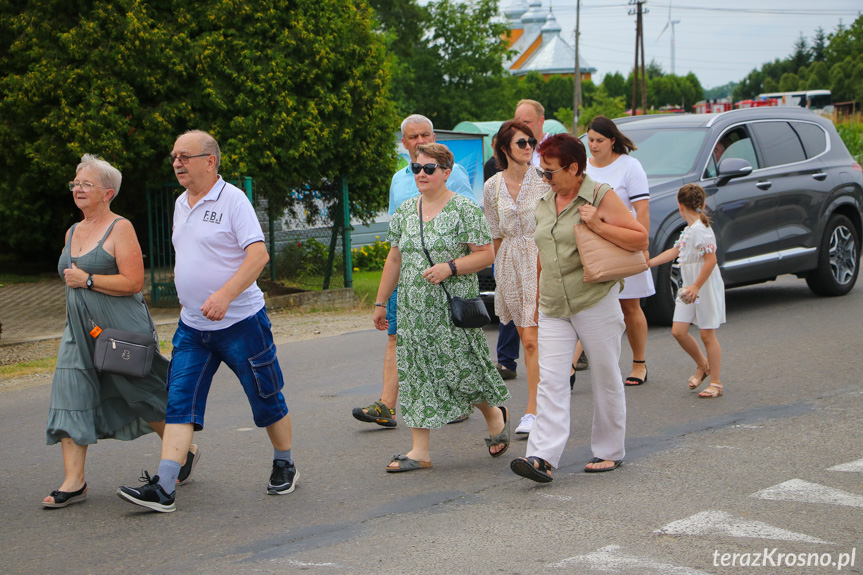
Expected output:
(510, 200)
(702, 299)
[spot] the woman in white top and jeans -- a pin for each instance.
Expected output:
(610, 163)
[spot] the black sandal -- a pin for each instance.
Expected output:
(524, 466)
(64, 498)
(636, 380)
(572, 378)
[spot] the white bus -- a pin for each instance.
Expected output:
(816, 100)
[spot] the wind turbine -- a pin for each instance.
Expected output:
(667, 24)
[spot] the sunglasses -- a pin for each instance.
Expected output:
(547, 175)
(522, 143)
(427, 168)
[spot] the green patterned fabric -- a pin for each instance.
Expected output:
(443, 369)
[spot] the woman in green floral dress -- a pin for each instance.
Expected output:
(444, 371)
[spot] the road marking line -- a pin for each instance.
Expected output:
(558, 497)
(610, 560)
(722, 523)
(855, 466)
(806, 492)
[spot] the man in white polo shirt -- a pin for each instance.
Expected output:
(220, 253)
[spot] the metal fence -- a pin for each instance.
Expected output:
(306, 237)
(308, 240)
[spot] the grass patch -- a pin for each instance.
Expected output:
(27, 368)
(13, 279)
(366, 285)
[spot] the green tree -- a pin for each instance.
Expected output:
(845, 42)
(788, 82)
(603, 105)
(800, 56)
(818, 49)
(295, 91)
(615, 85)
(723, 91)
(459, 66)
(819, 76)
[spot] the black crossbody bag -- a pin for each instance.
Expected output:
(117, 351)
(465, 312)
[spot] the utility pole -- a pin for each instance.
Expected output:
(576, 96)
(639, 48)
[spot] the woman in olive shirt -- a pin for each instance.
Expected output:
(571, 310)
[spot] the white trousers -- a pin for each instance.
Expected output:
(599, 328)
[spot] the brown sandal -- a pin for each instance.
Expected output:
(712, 390)
(694, 381)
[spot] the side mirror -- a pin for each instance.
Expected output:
(731, 168)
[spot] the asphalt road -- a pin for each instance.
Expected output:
(772, 472)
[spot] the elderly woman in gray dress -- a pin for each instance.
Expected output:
(103, 269)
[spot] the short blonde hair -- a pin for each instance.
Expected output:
(540, 111)
(439, 152)
(109, 175)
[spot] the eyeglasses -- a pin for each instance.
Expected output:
(86, 186)
(184, 158)
(547, 175)
(428, 168)
(522, 143)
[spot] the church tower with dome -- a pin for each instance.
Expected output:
(534, 35)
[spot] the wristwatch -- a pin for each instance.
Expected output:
(90, 282)
(452, 267)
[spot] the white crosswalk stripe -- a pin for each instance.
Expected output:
(806, 492)
(722, 523)
(854, 466)
(611, 559)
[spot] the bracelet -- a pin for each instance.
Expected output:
(452, 267)
(379, 304)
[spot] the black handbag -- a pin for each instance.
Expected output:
(124, 352)
(117, 351)
(465, 312)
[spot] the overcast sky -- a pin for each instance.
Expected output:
(719, 41)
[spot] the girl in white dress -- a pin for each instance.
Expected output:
(702, 299)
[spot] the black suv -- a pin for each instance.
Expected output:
(783, 194)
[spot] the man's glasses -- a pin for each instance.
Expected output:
(86, 186)
(547, 175)
(428, 168)
(522, 143)
(184, 158)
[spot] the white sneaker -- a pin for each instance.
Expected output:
(526, 423)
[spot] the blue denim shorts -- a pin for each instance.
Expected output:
(247, 348)
(392, 317)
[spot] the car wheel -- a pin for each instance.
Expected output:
(659, 308)
(838, 259)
